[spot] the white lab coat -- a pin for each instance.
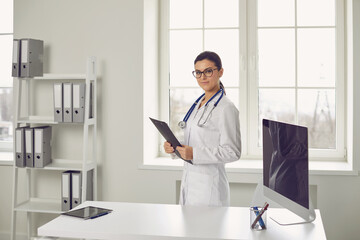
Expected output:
(214, 144)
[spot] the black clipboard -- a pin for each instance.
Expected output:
(88, 212)
(166, 132)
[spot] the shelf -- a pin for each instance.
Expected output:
(38, 119)
(65, 165)
(40, 205)
(49, 120)
(23, 91)
(48, 76)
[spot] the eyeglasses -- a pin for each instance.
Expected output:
(207, 72)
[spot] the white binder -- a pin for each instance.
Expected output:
(78, 102)
(58, 102)
(91, 102)
(42, 146)
(66, 191)
(76, 188)
(89, 185)
(29, 147)
(67, 87)
(32, 51)
(20, 147)
(16, 58)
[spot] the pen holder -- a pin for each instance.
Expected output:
(257, 223)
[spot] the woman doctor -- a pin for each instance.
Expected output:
(212, 138)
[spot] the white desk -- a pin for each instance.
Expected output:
(161, 221)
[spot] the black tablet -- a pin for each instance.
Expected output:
(88, 212)
(166, 132)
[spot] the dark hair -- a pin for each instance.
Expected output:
(211, 56)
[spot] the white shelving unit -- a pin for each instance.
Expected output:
(23, 116)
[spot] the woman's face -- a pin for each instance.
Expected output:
(208, 84)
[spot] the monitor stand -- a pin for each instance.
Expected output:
(282, 216)
(285, 217)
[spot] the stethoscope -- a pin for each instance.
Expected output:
(182, 124)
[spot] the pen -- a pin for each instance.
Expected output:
(262, 224)
(259, 216)
(99, 215)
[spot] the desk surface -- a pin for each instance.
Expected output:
(162, 221)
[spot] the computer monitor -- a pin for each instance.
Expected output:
(286, 171)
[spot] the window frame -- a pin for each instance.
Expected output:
(164, 68)
(6, 147)
(339, 154)
(248, 97)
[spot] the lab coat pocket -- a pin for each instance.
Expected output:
(199, 188)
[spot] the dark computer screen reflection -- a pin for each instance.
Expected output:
(287, 168)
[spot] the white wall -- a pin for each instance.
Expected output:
(112, 30)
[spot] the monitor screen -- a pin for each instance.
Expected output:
(285, 160)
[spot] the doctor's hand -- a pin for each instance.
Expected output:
(168, 147)
(186, 152)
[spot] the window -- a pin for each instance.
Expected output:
(282, 59)
(296, 71)
(189, 34)
(6, 42)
